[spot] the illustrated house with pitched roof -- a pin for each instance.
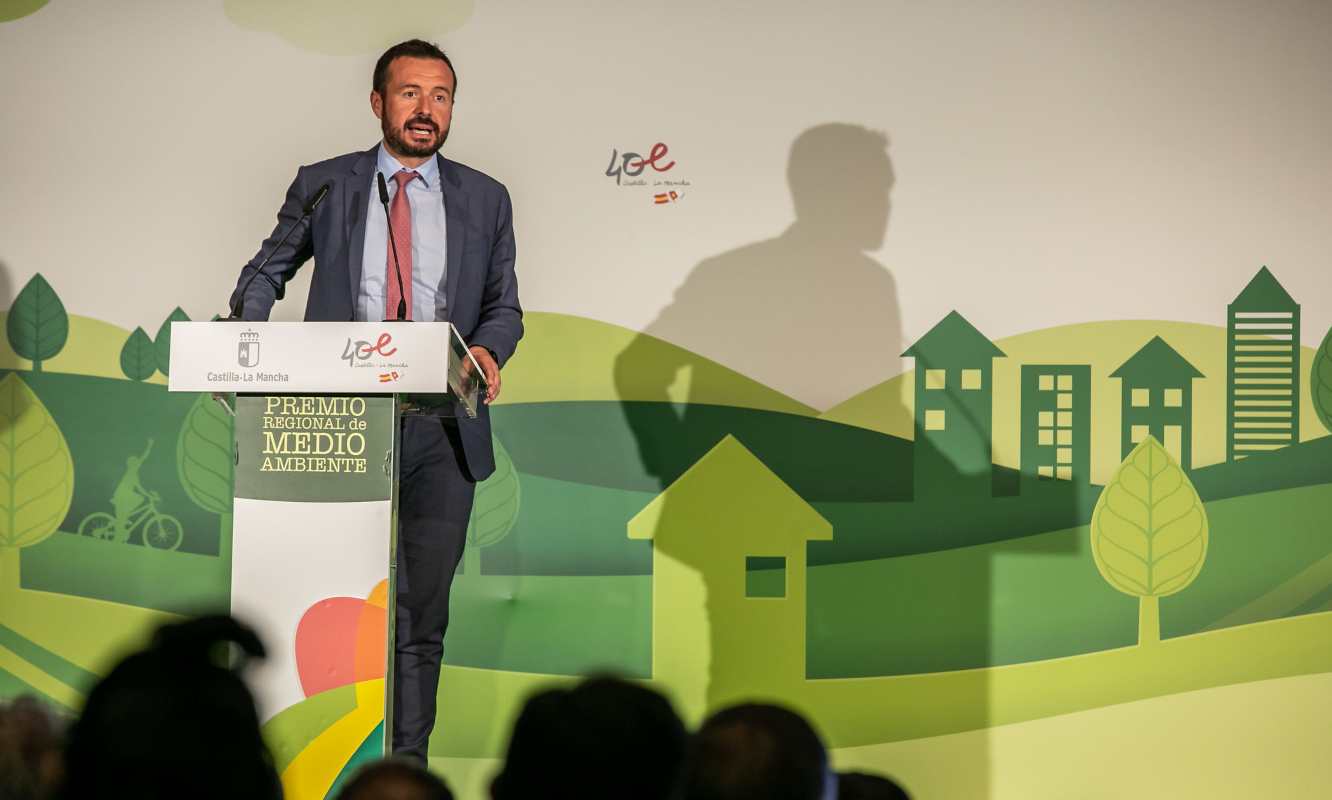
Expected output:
(1157, 399)
(954, 408)
(728, 580)
(1262, 368)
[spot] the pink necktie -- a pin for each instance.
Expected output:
(400, 218)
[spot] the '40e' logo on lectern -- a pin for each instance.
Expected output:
(361, 350)
(632, 164)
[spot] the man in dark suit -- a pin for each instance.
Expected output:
(451, 229)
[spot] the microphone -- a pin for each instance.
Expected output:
(306, 211)
(397, 267)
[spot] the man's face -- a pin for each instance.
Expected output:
(416, 107)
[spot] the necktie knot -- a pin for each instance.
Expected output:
(404, 177)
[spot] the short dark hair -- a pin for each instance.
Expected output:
(601, 740)
(394, 777)
(175, 720)
(753, 751)
(412, 48)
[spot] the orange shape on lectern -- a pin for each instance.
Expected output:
(342, 640)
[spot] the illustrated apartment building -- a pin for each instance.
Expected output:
(1262, 368)
(954, 408)
(1056, 423)
(1157, 399)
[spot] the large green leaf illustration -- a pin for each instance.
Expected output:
(498, 497)
(36, 470)
(204, 459)
(162, 342)
(138, 360)
(1320, 381)
(38, 325)
(1149, 529)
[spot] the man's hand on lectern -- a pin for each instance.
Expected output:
(490, 369)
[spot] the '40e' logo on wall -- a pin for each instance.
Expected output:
(633, 165)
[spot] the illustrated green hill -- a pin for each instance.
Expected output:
(93, 349)
(888, 407)
(565, 358)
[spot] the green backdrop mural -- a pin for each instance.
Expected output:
(756, 549)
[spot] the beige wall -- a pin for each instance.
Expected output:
(1055, 162)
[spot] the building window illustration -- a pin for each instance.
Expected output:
(972, 380)
(1138, 433)
(936, 378)
(765, 576)
(1141, 398)
(1174, 398)
(1174, 441)
(934, 419)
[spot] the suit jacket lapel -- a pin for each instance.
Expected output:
(356, 199)
(455, 215)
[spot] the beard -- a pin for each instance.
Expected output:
(398, 140)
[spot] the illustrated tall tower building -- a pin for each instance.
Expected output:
(1056, 423)
(1157, 399)
(954, 408)
(1262, 368)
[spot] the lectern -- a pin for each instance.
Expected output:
(314, 521)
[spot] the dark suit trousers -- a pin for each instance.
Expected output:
(435, 494)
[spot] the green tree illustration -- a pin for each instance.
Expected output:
(36, 472)
(205, 462)
(494, 511)
(1320, 381)
(38, 326)
(162, 343)
(1149, 532)
(138, 359)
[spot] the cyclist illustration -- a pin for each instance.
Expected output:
(134, 506)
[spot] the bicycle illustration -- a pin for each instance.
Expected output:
(135, 508)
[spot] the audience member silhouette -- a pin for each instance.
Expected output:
(756, 752)
(174, 721)
(863, 786)
(605, 738)
(30, 743)
(394, 779)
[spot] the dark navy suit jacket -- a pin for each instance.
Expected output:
(480, 287)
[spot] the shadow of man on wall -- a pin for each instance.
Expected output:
(811, 314)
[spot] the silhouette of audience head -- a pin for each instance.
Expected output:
(756, 752)
(863, 786)
(840, 178)
(605, 738)
(394, 779)
(174, 720)
(30, 742)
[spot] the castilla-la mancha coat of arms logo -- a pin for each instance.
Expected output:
(247, 351)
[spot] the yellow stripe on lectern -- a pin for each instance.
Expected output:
(311, 773)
